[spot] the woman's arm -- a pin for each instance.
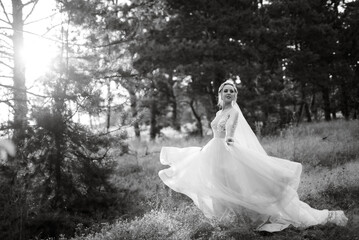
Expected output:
(231, 126)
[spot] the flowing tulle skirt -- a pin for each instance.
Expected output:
(224, 180)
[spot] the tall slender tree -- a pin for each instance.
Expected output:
(20, 96)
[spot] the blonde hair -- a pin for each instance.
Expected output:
(228, 82)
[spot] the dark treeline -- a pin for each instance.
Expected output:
(293, 61)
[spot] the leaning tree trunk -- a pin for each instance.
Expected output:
(198, 118)
(20, 97)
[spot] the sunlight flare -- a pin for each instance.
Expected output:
(38, 55)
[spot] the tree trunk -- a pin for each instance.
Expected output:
(153, 124)
(198, 118)
(334, 115)
(133, 104)
(313, 107)
(299, 113)
(356, 105)
(20, 96)
(283, 114)
(307, 112)
(59, 143)
(304, 105)
(344, 102)
(213, 90)
(109, 101)
(326, 101)
(175, 122)
(57, 167)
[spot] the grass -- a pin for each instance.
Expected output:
(329, 152)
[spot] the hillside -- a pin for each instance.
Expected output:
(329, 152)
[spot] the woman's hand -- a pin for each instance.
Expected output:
(229, 141)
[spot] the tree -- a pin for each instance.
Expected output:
(187, 40)
(12, 21)
(113, 27)
(316, 63)
(347, 69)
(20, 97)
(12, 51)
(69, 175)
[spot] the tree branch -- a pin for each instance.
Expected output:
(4, 127)
(32, 9)
(7, 65)
(4, 10)
(2, 20)
(4, 76)
(9, 46)
(38, 20)
(46, 38)
(121, 76)
(18, 89)
(49, 29)
(117, 129)
(129, 38)
(6, 55)
(29, 2)
(7, 102)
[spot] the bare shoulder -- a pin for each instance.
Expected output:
(234, 114)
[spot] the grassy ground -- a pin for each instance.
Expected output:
(329, 153)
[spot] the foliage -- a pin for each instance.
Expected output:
(65, 182)
(68, 179)
(291, 57)
(61, 171)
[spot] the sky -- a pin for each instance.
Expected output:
(40, 44)
(38, 48)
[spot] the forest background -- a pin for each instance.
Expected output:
(131, 74)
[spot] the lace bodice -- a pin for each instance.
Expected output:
(224, 124)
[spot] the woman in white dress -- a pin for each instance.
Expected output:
(232, 175)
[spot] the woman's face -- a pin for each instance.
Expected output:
(228, 94)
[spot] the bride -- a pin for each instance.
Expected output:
(232, 176)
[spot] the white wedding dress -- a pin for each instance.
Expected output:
(241, 180)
